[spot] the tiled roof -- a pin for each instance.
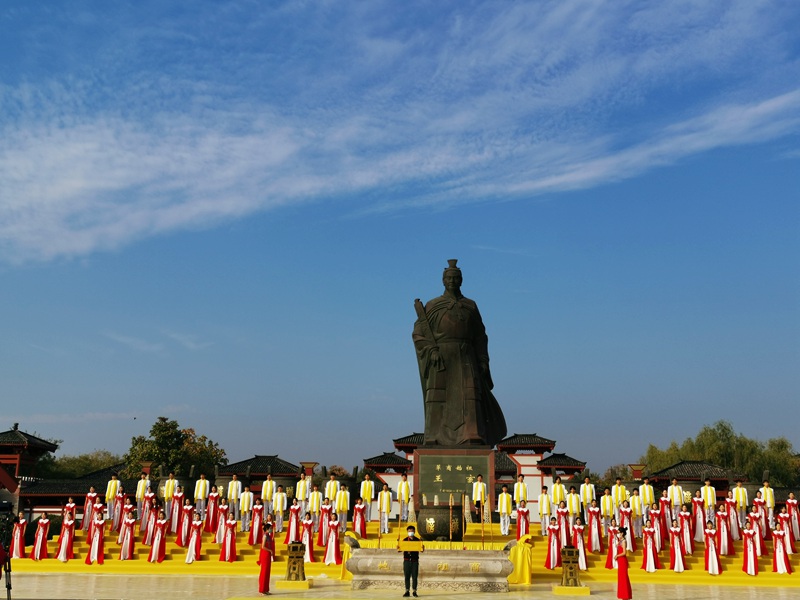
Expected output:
(560, 460)
(104, 474)
(77, 488)
(696, 469)
(415, 439)
(503, 463)
(261, 465)
(15, 437)
(526, 440)
(388, 459)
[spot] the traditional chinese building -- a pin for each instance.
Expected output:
(254, 471)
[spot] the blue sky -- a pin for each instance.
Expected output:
(222, 213)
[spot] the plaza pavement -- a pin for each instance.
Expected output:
(74, 586)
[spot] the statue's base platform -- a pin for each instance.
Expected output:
(575, 590)
(440, 570)
(283, 584)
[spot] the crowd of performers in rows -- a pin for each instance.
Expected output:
(670, 521)
(311, 519)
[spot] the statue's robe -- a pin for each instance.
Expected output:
(459, 405)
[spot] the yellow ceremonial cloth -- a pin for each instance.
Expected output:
(709, 496)
(521, 556)
(544, 505)
(404, 491)
(504, 504)
(647, 494)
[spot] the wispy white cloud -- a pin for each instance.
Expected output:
(135, 343)
(471, 103)
(188, 341)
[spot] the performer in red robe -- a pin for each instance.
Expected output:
(685, 520)
(698, 516)
(127, 536)
(761, 505)
(158, 551)
(553, 558)
(595, 534)
(150, 526)
(307, 537)
(265, 558)
(613, 540)
(39, 549)
(665, 506)
(780, 548)
(212, 511)
(69, 507)
(256, 528)
(650, 562)
(655, 519)
(222, 517)
(724, 538)
(578, 543)
(64, 552)
(87, 509)
(147, 511)
(785, 520)
(750, 547)
(187, 510)
(227, 551)
(179, 498)
(359, 522)
(562, 514)
(96, 533)
(733, 517)
(523, 519)
(754, 518)
(624, 591)
(97, 508)
(333, 554)
(195, 540)
(17, 548)
(626, 521)
(324, 518)
(127, 511)
(293, 530)
(676, 551)
(712, 563)
(119, 505)
(794, 516)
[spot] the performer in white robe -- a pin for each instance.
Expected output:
(367, 493)
(384, 508)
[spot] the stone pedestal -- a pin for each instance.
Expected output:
(447, 474)
(441, 570)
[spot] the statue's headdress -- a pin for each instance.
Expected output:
(451, 267)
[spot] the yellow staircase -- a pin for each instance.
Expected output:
(477, 538)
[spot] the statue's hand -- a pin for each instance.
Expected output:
(436, 359)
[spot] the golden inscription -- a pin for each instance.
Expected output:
(430, 525)
(383, 565)
(443, 567)
(475, 567)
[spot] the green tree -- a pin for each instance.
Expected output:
(721, 445)
(71, 466)
(173, 449)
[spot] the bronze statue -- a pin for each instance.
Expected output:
(453, 357)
